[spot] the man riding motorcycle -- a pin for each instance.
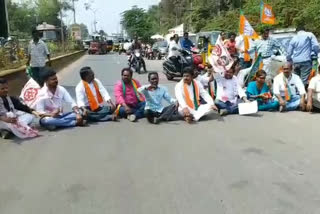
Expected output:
(136, 45)
(174, 51)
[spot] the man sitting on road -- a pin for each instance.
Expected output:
(188, 92)
(206, 80)
(228, 92)
(289, 90)
(91, 96)
(15, 117)
(314, 94)
(154, 94)
(50, 103)
(130, 103)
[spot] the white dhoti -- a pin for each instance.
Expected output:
(21, 129)
(268, 68)
(203, 110)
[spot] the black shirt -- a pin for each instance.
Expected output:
(17, 105)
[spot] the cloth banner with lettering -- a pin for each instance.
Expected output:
(266, 14)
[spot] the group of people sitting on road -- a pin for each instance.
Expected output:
(196, 95)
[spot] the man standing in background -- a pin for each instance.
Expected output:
(37, 54)
(301, 48)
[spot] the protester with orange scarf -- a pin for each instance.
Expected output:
(188, 92)
(93, 98)
(289, 90)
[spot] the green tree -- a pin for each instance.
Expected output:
(84, 31)
(137, 23)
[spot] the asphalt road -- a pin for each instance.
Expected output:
(262, 164)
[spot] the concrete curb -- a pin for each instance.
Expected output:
(53, 60)
(17, 77)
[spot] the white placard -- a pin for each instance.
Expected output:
(248, 108)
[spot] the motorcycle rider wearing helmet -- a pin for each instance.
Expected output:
(136, 45)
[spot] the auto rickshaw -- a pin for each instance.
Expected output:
(116, 47)
(205, 43)
(109, 45)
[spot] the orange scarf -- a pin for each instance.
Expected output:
(246, 48)
(94, 105)
(195, 102)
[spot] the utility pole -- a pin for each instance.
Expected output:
(62, 29)
(4, 21)
(88, 7)
(7, 16)
(74, 12)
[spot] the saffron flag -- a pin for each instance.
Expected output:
(267, 15)
(245, 28)
(220, 58)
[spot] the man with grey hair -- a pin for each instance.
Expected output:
(289, 90)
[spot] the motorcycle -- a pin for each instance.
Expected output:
(162, 52)
(136, 61)
(150, 55)
(174, 68)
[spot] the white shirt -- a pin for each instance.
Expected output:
(174, 45)
(179, 92)
(48, 102)
(82, 99)
(38, 53)
(228, 89)
(294, 82)
(203, 79)
(240, 46)
(315, 86)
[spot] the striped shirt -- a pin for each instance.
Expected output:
(266, 47)
(38, 52)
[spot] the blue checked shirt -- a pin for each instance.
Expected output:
(154, 98)
(266, 47)
(301, 47)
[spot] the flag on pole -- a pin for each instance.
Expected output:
(257, 65)
(245, 28)
(220, 58)
(266, 14)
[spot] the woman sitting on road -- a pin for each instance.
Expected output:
(258, 90)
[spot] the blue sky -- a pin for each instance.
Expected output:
(108, 13)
